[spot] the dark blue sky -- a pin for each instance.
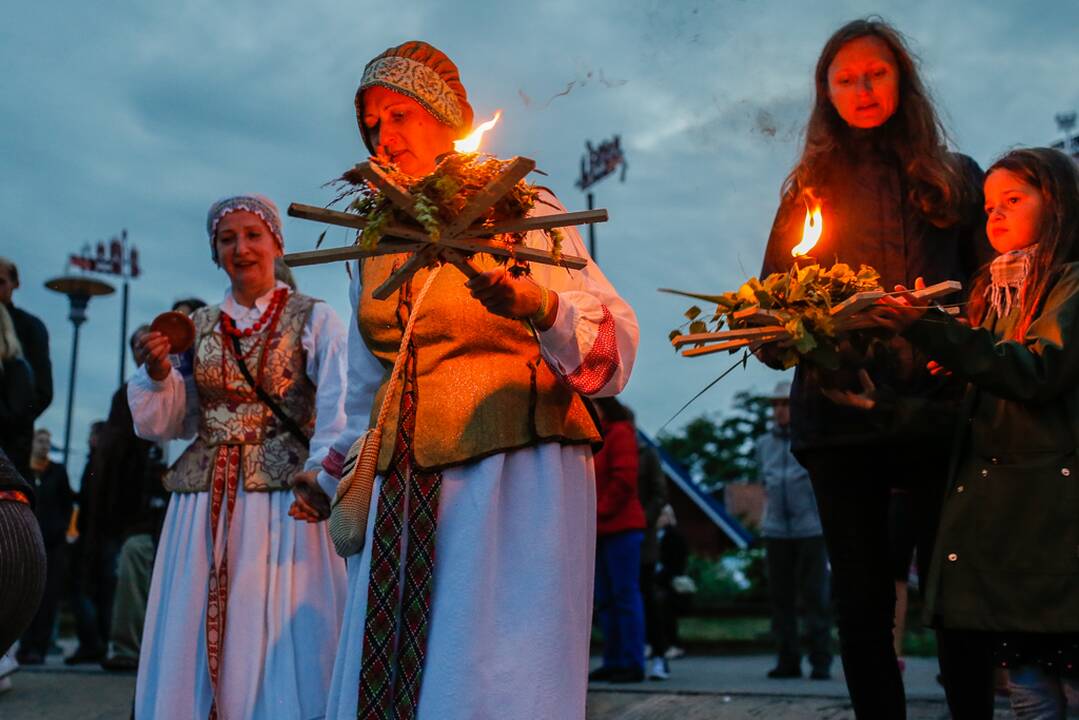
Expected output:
(138, 115)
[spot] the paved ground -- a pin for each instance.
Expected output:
(701, 688)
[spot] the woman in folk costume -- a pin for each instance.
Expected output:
(472, 597)
(244, 600)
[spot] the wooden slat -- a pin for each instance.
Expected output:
(543, 222)
(936, 290)
(402, 274)
(723, 335)
(855, 303)
(520, 252)
(461, 263)
(396, 194)
(489, 195)
(318, 257)
(755, 316)
(350, 220)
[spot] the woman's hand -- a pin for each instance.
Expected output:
(935, 368)
(898, 312)
(865, 400)
(311, 504)
(152, 348)
(512, 297)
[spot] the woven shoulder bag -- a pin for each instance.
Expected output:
(352, 501)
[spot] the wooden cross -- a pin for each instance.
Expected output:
(769, 329)
(460, 239)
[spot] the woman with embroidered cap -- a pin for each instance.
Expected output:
(244, 600)
(472, 596)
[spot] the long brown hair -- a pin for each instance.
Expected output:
(914, 133)
(1056, 177)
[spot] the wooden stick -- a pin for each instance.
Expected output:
(520, 252)
(398, 277)
(717, 347)
(489, 195)
(543, 222)
(396, 194)
(741, 334)
(855, 303)
(317, 257)
(461, 263)
(755, 316)
(349, 220)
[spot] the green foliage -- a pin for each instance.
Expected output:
(736, 578)
(801, 300)
(721, 449)
(440, 197)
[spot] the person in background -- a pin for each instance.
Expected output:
(22, 563)
(620, 530)
(32, 335)
(109, 502)
(652, 492)
(796, 557)
(55, 501)
(674, 589)
(16, 397)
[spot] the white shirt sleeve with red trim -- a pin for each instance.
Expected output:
(593, 342)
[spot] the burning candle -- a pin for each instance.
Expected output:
(811, 232)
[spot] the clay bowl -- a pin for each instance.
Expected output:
(178, 328)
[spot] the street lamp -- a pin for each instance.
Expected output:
(79, 290)
(596, 164)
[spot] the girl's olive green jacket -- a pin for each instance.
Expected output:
(1007, 551)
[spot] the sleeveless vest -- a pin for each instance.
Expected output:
(482, 386)
(230, 413)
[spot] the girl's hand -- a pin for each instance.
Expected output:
(311, 504)
(512, 297)
(152, 349)
(898, 312)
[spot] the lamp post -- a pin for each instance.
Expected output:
(79, 290)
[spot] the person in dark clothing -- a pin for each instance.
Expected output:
(53, 510)
(110, 502)
(796, 557)
(895, 198)
(22, 562)
(16, 397)
(32, 335)
(672, 596)
(652, 492)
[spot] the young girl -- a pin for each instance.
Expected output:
(1004, 582)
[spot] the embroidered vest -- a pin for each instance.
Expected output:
(482, 386)
(232, 414)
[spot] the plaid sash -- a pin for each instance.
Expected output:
(226, 476)
(399, 596)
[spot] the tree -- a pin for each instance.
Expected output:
(719, 449)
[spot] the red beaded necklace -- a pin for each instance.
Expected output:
(228, 325)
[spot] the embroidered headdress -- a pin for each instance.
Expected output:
(258, 204)
(423, 73)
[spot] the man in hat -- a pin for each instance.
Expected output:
(797, 559)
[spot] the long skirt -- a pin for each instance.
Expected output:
(511, 604)
(286, 593)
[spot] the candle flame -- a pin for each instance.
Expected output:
(811, 231)
(471, 143)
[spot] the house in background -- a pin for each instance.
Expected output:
(707, 526)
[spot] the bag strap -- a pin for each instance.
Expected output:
(268, 401)
(402, 352)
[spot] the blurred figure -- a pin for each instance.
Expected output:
(283, 273)
(22, 563)
(674, 589)
(620, 530)
(17, 403)
(53, 509)
(32, 335)
(797, 559)
(652, 492)
(110, 502)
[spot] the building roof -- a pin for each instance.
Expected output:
(711, 507)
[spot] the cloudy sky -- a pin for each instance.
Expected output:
(138, 115)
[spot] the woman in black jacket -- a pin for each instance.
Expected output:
(892, 197)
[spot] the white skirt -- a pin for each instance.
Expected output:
(512, 597)
(286, 597)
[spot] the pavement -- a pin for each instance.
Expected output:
(704, 687)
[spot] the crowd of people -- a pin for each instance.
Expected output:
(485, 408)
